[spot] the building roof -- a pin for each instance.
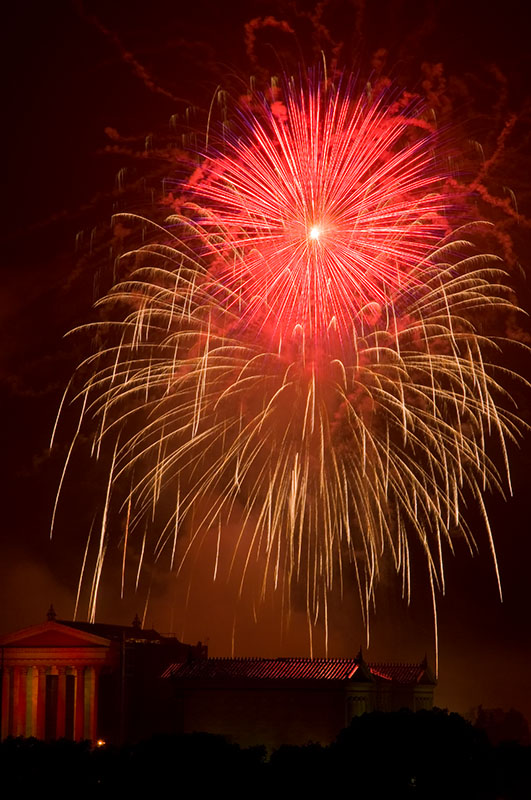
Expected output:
(115, 632)
(266, 668)
(402, 673)
(325, 669)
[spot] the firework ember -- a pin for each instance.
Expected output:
(297, 353)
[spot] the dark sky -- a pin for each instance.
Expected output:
(72, 70)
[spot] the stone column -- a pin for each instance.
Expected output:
(41, 703)
(19, 687)
(7, 680)
(61, 703)
(91, 702)
(94, 715)
(15, 692)
(79, 705)
(32, 698)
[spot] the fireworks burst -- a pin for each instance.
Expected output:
(325, 203)
(298, 351)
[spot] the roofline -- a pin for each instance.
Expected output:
(12, 639)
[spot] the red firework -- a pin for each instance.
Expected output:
(321, 202)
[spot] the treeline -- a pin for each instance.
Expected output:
(428, 754)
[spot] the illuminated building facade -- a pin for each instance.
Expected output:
(86, 681)
(80, 680)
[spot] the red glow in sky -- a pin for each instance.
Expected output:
(67, 84)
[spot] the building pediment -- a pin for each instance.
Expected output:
(361, 673)
(52, 634)
(427, 678)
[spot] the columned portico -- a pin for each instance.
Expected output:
(50, 676)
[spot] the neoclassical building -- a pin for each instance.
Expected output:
(50, 681)
(86, 681)
(123, 683)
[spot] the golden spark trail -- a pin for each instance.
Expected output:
(298, 356)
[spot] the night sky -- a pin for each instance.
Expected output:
(79, 109)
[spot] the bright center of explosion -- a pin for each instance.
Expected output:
(315, 232)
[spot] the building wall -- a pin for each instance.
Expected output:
(252, 715)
